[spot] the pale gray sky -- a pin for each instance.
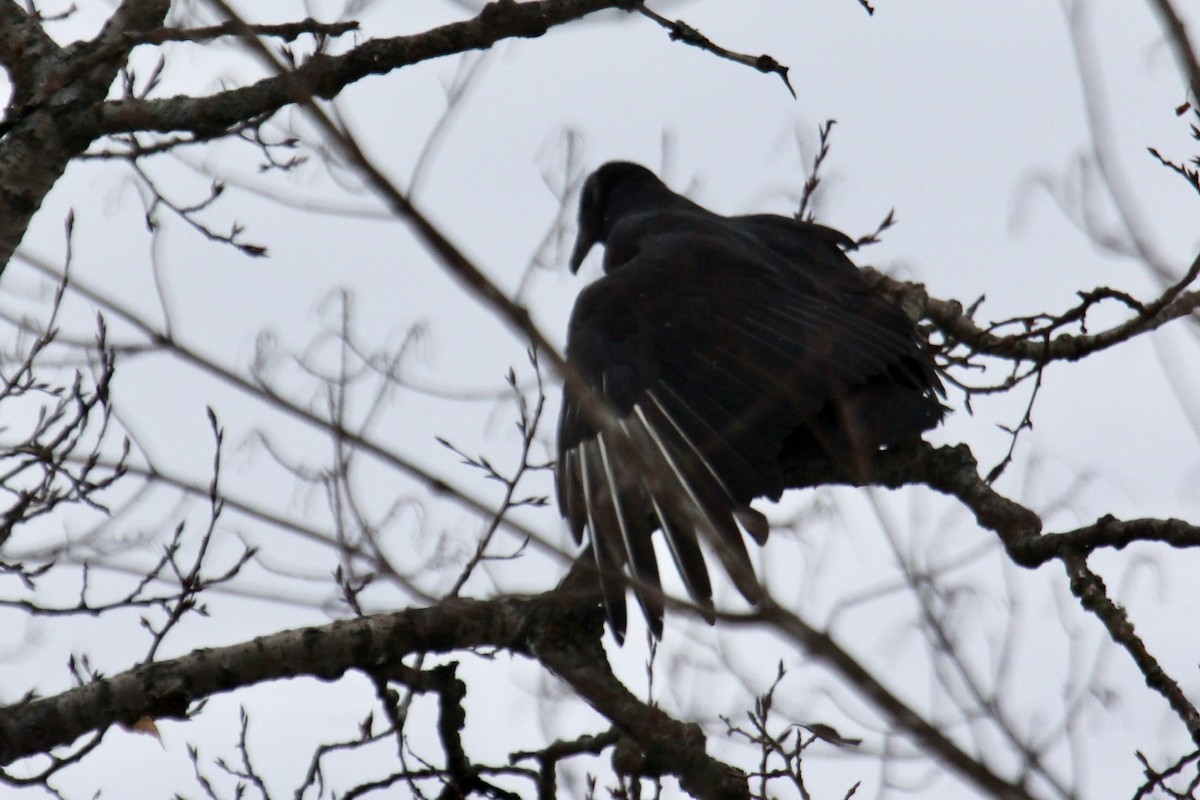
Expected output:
(966, 119)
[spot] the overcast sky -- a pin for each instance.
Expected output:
(970, 120)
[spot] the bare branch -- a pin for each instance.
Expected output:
(682, 32)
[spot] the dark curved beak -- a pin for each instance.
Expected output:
(584, 241)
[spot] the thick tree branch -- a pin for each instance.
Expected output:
(166, 689)
(324, 76)
(24, 50)
(54, 121)
(949, 470)
(952, 470)
(562, 628)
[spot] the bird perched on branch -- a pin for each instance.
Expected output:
(712, 349)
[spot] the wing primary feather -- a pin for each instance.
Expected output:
(608, 563)
(714, 516)
(639, 547)
(571, 494)
(753, 521)
(730, 452)
(687, 441)
(685, 550)
(689, 560)
(666, 454)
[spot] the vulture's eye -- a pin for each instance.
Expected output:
(592, 197)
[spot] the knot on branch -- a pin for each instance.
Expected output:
(165, 698)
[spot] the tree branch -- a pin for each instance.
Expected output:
(166, 689)
(53, 122)
(1176, 30)
(1037, 345)
(324, 76)
(24, 47)
(561, 628)
(682, 32)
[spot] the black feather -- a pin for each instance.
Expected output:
(723, 345)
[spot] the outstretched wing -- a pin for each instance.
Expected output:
(711, 347)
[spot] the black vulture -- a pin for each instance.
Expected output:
(723, 345)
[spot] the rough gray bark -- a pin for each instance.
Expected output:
(54, 114)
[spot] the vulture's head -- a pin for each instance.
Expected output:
(610, 192)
